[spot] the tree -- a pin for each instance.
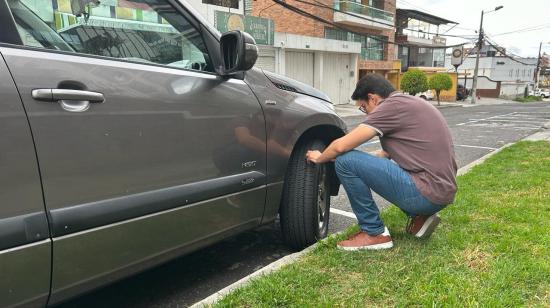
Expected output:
(440, 82)
(414, 81)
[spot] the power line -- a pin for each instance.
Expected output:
(322, 5)
(416, 7)
(533, 28)
(505, 54)
(317, 18)
(495, 43)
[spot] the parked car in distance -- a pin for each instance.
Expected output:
(540, 92)
(428, 95)
(125, 145)
(544, 93)
(461, 92)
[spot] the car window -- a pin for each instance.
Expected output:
(147, 31)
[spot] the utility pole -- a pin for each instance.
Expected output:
(538, 68)
(476, 68)
(480, 43)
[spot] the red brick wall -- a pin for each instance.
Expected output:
(290, 22)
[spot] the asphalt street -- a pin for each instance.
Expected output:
(476, 130)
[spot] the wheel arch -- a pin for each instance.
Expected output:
(326, 133)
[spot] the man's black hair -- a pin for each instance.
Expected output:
(372, 84)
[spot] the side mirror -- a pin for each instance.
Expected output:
(239, 52)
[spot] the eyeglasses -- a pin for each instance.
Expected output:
(362, 109)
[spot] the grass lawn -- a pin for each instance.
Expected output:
(529, 99)
(492, 249)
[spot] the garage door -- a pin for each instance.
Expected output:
(266, 59)
(336, 81)
(299, 66)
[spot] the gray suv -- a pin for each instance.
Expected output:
(132, 133)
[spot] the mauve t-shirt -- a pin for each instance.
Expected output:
(417, 138)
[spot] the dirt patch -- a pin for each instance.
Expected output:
(475, 259)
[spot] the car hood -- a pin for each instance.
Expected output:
(292, 85)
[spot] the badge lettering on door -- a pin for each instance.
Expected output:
(248, 164)
(247, 181)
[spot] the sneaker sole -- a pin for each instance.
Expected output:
(429, 227)
(380, 246)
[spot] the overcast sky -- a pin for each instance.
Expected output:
(516, 15)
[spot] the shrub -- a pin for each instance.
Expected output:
(528, 99)
(414, 81)
(440, 82)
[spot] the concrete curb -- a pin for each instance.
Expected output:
(480, 160)
(272, 267)
(212, 299)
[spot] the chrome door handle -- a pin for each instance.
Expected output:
(53, 95)
(70, 100)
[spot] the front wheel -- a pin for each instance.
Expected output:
(305, 208)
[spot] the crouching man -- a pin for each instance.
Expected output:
(416, 169)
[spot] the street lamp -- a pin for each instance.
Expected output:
(479, 43)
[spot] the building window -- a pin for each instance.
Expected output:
(420, 29)
(439, 57)
(372, 47)
(234, 4)
(511, 73)
(337, 34)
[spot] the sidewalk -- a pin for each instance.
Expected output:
(485, 101)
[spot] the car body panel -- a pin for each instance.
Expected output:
(25, 275)
(88, 259)
(25, 247)
(159, 169)
(288, 116)
(149, 147)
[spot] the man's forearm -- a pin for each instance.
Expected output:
(330, 153)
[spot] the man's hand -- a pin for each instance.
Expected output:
(313, 156)
(353, 139)
(382, 154)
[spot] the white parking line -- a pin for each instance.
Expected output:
(474, 146)
(485, 119)
(343, 213)
(517, 121)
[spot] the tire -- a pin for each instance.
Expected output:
(424, 97)
(305, 207)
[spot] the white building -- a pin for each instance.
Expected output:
(327, 64)
(508, 76)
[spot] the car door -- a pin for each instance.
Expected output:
(25, 247)
(145, 153)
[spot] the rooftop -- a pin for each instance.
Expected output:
(432, 19)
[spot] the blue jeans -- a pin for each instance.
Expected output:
(359, 172)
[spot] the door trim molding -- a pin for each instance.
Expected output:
(80, 217)
(23, 229)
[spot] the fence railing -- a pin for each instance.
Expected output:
(362, 9)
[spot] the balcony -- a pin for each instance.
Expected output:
(428, 42)
(360, 15)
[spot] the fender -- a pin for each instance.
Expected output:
(290, 117)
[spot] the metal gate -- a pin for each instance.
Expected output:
(266, 58)
(299, 66)
(337, 72)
